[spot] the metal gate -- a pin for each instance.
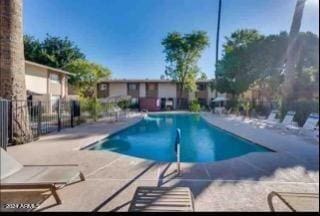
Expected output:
(4, 112)
(36, 117)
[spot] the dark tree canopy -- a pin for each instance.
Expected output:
(52, 51)
(234, 72)
(250, 58)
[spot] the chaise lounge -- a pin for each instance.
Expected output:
(15, 176)
(162, 199)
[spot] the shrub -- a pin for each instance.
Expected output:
(134, 106)
(92, 106)
(194, 106)
(109, 106)
(303, 108)
(246, 107)
(233, 103)
(124, 104)
(262, 110)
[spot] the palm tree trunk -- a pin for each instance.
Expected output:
(292, 53)
(12, 67)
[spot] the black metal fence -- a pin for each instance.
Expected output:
(4, 111)
(31, 119)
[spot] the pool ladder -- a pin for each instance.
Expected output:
(177, 150)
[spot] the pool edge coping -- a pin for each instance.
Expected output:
(87, 147)
(239, 136)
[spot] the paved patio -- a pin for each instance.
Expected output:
(238, 184)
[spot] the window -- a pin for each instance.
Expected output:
(103, 87)
(132, 86)
(54, 78)
(54, 101)
(151, 86)
(201, 86)
(134, 101)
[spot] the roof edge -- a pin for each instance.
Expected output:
(47, 67)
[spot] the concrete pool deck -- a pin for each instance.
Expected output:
(238, 184)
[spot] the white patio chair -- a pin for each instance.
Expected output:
(288, 120)
(308, 127)
(271, 120)
(15, 176)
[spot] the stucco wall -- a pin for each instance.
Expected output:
(167, 90)
(36, 79)
(117, 89)
(55, 89)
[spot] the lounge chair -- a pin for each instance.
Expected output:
(15, 176)
(162, 199)
(309, 126)
(271, 120)
(287, 121)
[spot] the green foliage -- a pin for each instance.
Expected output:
(303, 77)
(303, 108)
(124, 104)
(246, 105)
(32, 49)
(52, 51)
(194, 106)
(92, 106)
(212, 85)
(232, 104)
(203, 76)
(86, 75)
(182, 54)
(234, 74)
(253, 59)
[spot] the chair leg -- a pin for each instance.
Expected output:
(55, 194)
(82, 176)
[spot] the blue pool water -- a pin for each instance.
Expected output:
(153, 138)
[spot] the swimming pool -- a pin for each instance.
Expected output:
(153, 138)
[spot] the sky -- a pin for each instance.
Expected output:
(126, 35)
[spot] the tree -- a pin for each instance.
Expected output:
(203, 76)
(86, 75)
(182, 54)
(260, 63)
(32, 49)
(303, 80)
(12, 68)
(53, 51)
(292, 51)
(234, 73)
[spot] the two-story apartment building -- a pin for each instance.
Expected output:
(154, 94)
(45, 83)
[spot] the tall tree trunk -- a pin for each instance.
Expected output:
(180, 97)
(217, 39)
(12, 66)
(292, 53)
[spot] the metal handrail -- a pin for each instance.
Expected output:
(177, 150)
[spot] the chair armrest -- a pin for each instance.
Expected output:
(5, 186)
(51, 165)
